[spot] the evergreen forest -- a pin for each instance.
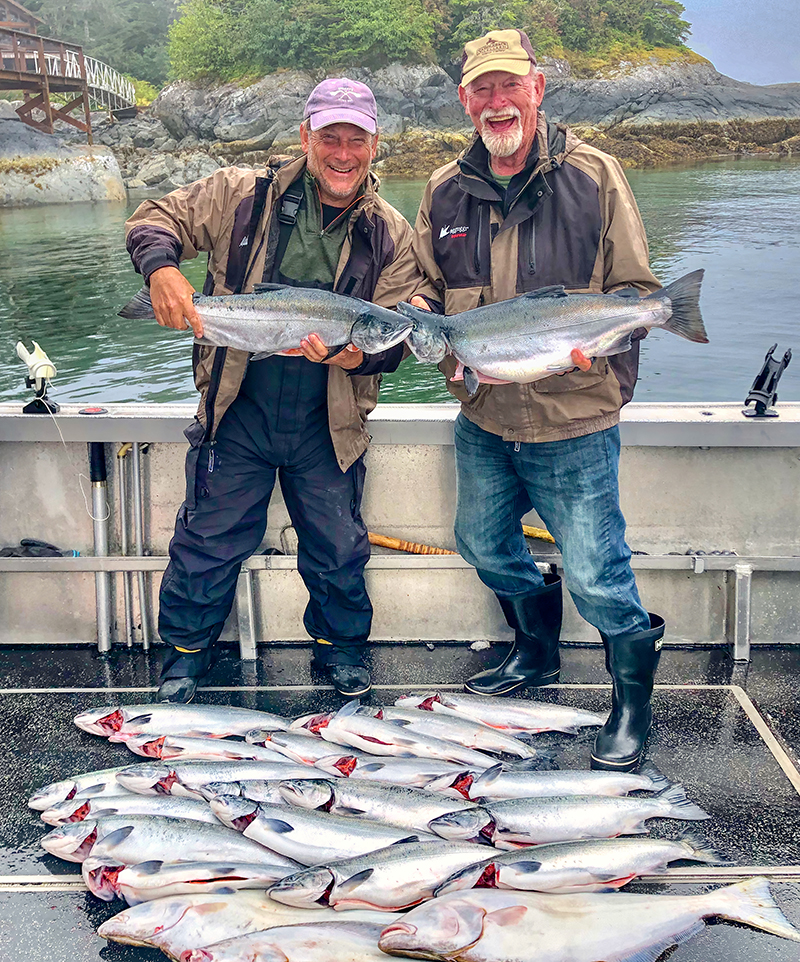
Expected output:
(159, 40)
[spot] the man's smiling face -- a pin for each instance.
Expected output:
(339, 156)
(504, 108)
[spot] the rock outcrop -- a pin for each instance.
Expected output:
(37, 168)
(677, 93)
(644, 114)
(267, 113)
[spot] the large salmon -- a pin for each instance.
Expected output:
(531, 337)
(275, 320)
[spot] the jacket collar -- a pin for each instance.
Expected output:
(547, 153)
(285, 176)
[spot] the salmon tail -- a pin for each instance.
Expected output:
(679, 805)
(657, 777)
(702, 850)
(139, 305)
(751, 902)
(686, 319)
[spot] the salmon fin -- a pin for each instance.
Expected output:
(544, 761)
(751, 902)
(345, 810)
(555, 290)
(152, 867)
(333, 351)
(353, 882)
(418, 313)
(350, 708)
(626, 292)
(92, 790)
(653, 952)
(138, 306)
(407, 840)
(117, 836)
(261, 356)
(262, 288)
(681, 806)
(702, 850)
(223, 890)
(491, 774)
(142, 719)
(471, 381)
(464, 879)
(657, 777)
(278, 826)
(620, 346)
(686, 319)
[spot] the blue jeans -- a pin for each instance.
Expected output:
(573, 486)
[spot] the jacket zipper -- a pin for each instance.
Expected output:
(479, 242)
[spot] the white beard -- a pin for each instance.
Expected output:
(501, 144)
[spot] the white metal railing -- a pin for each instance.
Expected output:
(106, 86)
(104, 78)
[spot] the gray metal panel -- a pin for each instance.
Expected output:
(646, 424)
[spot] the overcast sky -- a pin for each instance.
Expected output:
(753, 40)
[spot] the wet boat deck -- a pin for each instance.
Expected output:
(730, 733)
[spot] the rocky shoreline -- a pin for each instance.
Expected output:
(645, 115)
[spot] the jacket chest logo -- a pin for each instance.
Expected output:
(449, 231)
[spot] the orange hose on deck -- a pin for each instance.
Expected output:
(530, 532)
(410, 546)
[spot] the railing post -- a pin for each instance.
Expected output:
(740, 606)
(86, 110)
(48, 113)
(19, 65)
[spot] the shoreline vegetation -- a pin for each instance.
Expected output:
(234, 75)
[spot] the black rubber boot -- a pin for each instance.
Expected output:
(181, 672)
(344, 665)
(534, 658)
(631, 660)
(177, 691)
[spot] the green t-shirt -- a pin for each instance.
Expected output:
(312, 254)
(503, 179)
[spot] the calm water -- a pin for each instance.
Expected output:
(64, 273)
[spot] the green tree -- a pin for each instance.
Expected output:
(128, 35)
(201, 41)
(376, 32)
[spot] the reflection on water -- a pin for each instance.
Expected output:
(64, 273)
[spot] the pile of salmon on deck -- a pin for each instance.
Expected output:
(431, 829)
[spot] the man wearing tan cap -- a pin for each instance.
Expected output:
(529, 205)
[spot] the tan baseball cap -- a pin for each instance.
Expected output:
(509, 50)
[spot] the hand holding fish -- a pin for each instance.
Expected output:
(171, 295)
(313, 349)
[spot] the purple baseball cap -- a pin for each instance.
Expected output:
(342, 101)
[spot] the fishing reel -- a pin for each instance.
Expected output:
(764, 392)
(41, 372)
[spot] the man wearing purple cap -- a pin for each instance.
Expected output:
(316, 222)
(527, 206)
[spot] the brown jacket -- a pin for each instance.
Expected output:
(572, 220)
(233, 215)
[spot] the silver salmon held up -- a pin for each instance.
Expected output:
(531, 337)
(275, 320)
